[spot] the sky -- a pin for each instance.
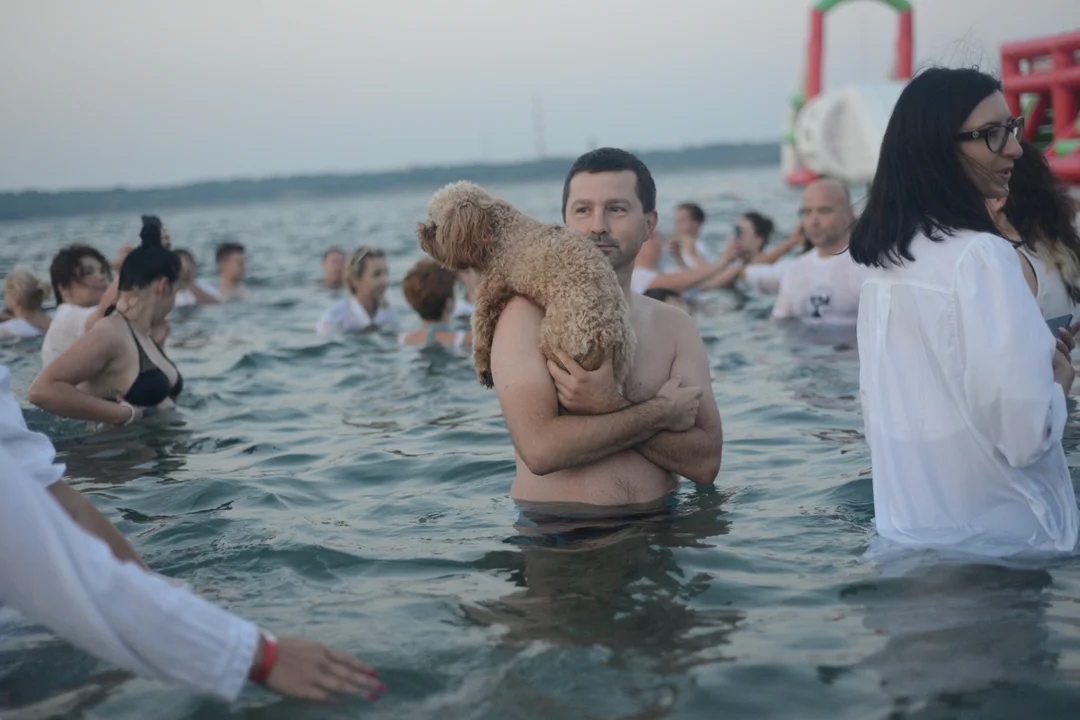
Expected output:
(139, 93)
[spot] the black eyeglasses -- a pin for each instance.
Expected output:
(996, 135)
(738, 232)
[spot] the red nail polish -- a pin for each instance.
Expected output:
(373, 697)
(381, 688)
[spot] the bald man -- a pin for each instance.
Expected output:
(824, 284)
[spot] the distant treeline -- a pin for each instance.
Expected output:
(32, 204)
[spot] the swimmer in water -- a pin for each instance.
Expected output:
(429, 290)
(577, 439)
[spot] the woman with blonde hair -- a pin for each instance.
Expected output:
(366, 278)
(24, 294)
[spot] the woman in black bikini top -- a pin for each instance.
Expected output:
(84, 383)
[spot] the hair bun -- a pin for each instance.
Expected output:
(151, 231)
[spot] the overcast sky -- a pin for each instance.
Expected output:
(140, 92)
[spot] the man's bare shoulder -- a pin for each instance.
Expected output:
(660, 319)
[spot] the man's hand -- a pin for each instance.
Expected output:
(584, 392)
(683, 401)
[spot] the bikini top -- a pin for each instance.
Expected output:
(151, 385)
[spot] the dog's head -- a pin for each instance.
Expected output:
(459, 228)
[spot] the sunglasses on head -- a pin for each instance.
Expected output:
(996, 135)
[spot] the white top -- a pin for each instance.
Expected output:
(641, 277)
(463, 308)
(820, 289)
(963, 417)
(185, 297)
(17, 329)
(61, 577)
(348, 315)
(68, 326)
(1052, 296)
(765, 277)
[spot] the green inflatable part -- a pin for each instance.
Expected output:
(797, 100)
(1066, 147)
(898, 5)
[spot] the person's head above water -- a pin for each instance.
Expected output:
(610, 196)
(80, 275)
(231, 261)
(367, 276)
(689, 217)
(333, 267)
(429, 289)
(752, 233)
(24, 292)
(826, 214)
(949, 147)
(150, 273)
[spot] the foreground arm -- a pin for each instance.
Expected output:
(56, 388)
(90, 519)
(546, 441)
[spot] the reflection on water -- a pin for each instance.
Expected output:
(357, 493)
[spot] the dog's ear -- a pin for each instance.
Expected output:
(425, 235)
(463, 233)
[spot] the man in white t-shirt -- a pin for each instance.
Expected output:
(823, 285)
(80, 276)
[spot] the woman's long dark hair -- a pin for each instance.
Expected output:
(150, 261)
(1041, 210)
(921, 184)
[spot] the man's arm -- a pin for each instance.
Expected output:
(546, 441)
(693, 453)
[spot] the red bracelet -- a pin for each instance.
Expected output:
(259, 674)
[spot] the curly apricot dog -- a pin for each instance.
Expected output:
(564, 273)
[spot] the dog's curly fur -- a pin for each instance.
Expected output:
(586, 314)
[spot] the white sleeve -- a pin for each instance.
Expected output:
(67, 580)
(765, 277)
(328, 323)
(33, 451)
(1007, 353)
(783, 307)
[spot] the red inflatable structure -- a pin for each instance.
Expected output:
(1041, 78)
(794, 172)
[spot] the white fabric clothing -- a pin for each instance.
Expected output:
(1052, 296)
(463, 308)
(641, 277)
(348, 315)
(186, 298)
(68, 326)
(963, 417)
(17, 329)
(821, 290)
(765, 277)
(33, 451)
(60, 576)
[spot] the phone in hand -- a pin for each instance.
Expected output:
(1057, 323)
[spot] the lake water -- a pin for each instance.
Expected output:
(357, 493)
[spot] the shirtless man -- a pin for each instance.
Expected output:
(575, 438)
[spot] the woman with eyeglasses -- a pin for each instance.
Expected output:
(366, 277)
(116, 373)
(962, 383)
(1037, 218)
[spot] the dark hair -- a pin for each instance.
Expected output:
(661, 293)
(921, 184)
(226, 249)
(763, 226)
(1041, 210)
(65, 266)
(150, 261)
(696, 213)
(427, 287)
(607, 159)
